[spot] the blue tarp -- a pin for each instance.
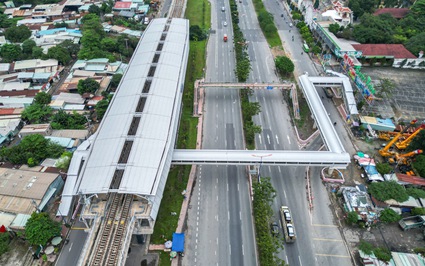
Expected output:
(178, 242)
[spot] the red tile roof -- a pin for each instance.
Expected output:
(7, 111)
(25, 93)
(396, 50)
(122, 5)
(415, 180)
(395, 12)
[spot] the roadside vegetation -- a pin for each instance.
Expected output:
(315, 47)
(243, 64)
(380, 253)
(198, 13)
(268, 245)
(40, 228)
(267, 24)
(383, 191)
(249, 109)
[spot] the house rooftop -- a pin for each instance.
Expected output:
(395, 12)
(396, 50)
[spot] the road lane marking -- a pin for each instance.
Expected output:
(238, 186)
(284, 193)
(327, 239)
(288, 139)
(299, 258)
(228, 215)
(240, 216)
(78, 228)
(70, 247)
(332, 255)
(324, 225)
(227, 186)
(277, 140)
(230, 249)
(243, 252)
(279, 169)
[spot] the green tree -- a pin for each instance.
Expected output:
(115, 81)
(10, 52)
(71, 47)
(94, 9)
(42, 98)
(27, 47)
(87, 85)
(109, 44)
(352, 218)
(418, 211)
(63, 120)
(334, 28)
(4, 242)
(359, 7)
(418, 142)
(419, 165)
(196, 33)
(17, 34)
(416, 44)
(61, 25)
(32, 146)
(268, 246)
(284, 65)
(416, 192)
(316, 4)
(40, 228)
(383, 168)
(389, 216)
(64, 161)
(366, 247)
(383, 254)
(101, 108)
(388, 190)
(37, 52)
(59, 53)
(37, 113)
(5, 22)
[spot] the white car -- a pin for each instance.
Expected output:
(225, 24)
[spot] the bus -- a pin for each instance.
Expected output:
(305, 48)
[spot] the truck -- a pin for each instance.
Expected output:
(412, 222)
(287, 224)
(225, 38)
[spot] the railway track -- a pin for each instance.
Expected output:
(113, 231)
(177, 9)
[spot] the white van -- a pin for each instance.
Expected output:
(223, 8)
(146, 21)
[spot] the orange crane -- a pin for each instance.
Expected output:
(384, 152)
(383, 135)
(402, 158)
(405, 143)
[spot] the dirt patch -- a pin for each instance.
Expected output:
(18, 253)
(278, 51)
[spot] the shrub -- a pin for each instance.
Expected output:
(388, 190)
(366, 247)
(389, 216)
(383, 254)
(352, 218)
(418, 211)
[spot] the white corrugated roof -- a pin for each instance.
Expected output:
(155, 133)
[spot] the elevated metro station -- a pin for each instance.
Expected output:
(133, 149)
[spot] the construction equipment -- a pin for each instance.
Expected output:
(402, 159)
(405, 143)
(384, 135)
(384, 152)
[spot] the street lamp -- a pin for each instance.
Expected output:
(261, 162)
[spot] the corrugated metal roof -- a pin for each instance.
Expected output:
(155, 135)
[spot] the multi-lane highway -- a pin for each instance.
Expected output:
(220, 228)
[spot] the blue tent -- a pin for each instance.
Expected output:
(178, 242)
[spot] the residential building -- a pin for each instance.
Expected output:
(23, 192)
(339, 14)
(125, 6)
(9, 128)
(81, 134)
(357, 199)
(42, 129)
(36, 65)
(15, 102)
(395, 55)
(67, 143)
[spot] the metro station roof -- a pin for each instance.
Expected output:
(153, 105)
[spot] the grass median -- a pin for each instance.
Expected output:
(267, 24)
(198, 13)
